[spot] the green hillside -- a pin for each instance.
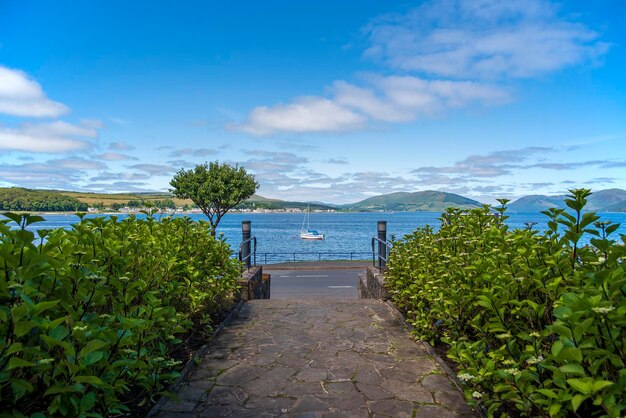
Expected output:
(602, 200)
(618, 207)
(412, 202)
(608, 200)
(20, 199)
(536, 203)
(260, 202)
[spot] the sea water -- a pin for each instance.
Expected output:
(347, 235)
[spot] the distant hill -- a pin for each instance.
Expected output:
(618, 207)
(608, 200)
(18, 198)
(21, 199)
(602, 200)
(260, 202)
(412, 202)
(536, 203)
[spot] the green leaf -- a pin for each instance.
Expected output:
(92, 358)
(573, 369)
(60, 332)
(23, 327)
(601, 384)
(15, 362)
(42, 306)
(582, 386)
(88, 402)
(92, 380)
(14, 217)
(20, 388)
(577, 400)
(64, 388)
(92, 345)
(548, 393)
(31, 219)
(14, 348)
(554, 409)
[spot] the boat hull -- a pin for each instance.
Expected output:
(312, 237)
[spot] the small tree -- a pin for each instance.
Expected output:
(215, 188)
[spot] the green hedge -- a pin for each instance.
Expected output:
(535, 322)
(90, 317)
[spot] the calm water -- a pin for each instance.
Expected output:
(345, 232)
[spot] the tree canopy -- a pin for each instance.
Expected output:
(215, 188)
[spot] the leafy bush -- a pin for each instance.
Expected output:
(535, 322)
(89, 317)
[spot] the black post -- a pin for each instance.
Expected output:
(246, 233)
(382, 244)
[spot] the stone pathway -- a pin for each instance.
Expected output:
(322, 358)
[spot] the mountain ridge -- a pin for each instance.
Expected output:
(607, 200)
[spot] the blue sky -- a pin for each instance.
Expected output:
(323, 101)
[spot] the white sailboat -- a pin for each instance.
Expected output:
(309, 233)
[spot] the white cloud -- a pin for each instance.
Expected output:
(484, 38)
(404, 98)
(305, 114)
(77, 163)
(154, 169)
(53, 137)
(386, 99)
(121, 146)
(40, 175)
(453, 51)
(113, 156)
(22, 96)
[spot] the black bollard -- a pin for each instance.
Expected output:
(382, 244)
(246, 233)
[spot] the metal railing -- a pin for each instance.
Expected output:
(384, 249)
(288, 257)
(247, 255)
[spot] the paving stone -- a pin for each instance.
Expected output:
(392, 408)
(317, 358)
(308, 403)
(271, 405)
(372, 392)
(239, 374)
(437, 382)
(225, 395)
(367, 373)
(340, 373)
(174, 405)
(291, 360)
(340, 387)
(177, 415)
(454, 401)
(429, 411)
(311, 374)
(344, 401)
(407, 391)
(353, 413)
(270, 383)
(298, 389)
(194, 392)
(419, 367)
(398, 373)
